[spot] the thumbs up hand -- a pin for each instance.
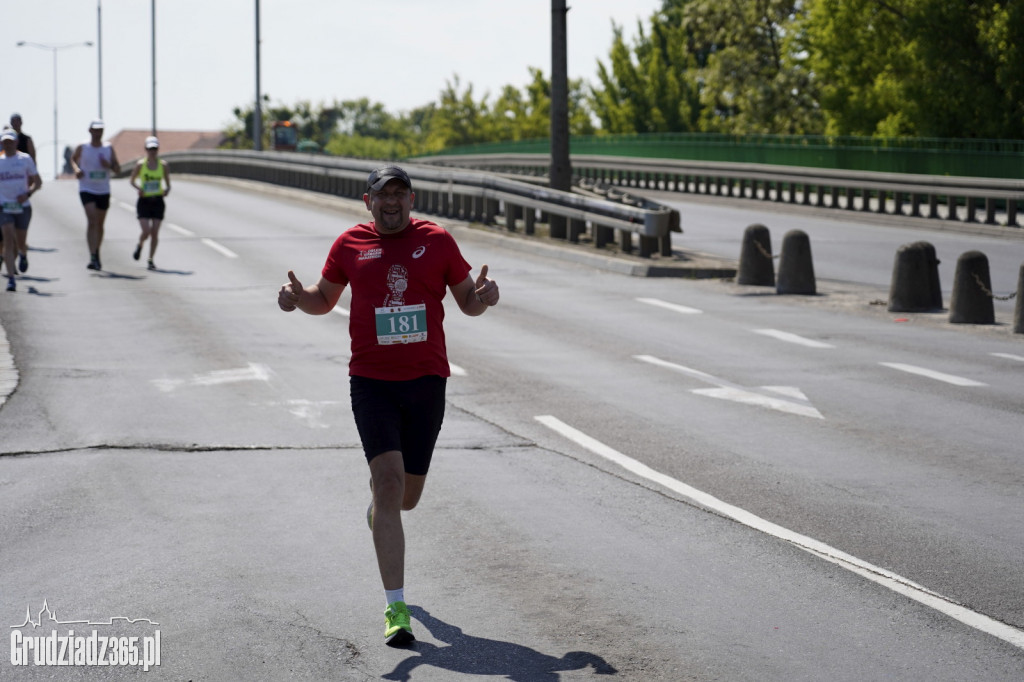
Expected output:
(290, 294)
(486, 288)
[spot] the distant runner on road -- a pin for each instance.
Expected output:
(19, 180)
(93, 162)
(152, 179)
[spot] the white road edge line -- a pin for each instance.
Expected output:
(932, 374)
(217, 247)
(1009, 356)
(670, 306)
(876, 574)
(792, 338)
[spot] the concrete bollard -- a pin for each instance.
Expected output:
(915, 280)
(796, 268)
(971, 302)
(756, 264)
(1018, 311)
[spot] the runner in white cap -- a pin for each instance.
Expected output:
(93, 162)
(153, 181)
(19, 179)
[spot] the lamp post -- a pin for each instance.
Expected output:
(54, 49)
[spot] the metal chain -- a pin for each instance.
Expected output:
(985, 290)
(764, 252)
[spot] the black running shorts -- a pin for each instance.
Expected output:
(102, 201)
(399, 415)
(150, 207)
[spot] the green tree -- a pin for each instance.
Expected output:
(927, 68)
(754, 77)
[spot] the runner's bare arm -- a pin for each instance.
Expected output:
(318, 299)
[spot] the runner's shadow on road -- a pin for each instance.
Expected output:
(107, 274)
(163, 271)
(41, 280)
(471, 655)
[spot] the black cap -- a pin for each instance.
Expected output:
(382, 176)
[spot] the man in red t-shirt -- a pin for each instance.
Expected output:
(399, 269)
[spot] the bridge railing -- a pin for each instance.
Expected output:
(964, 199)
(479, 196)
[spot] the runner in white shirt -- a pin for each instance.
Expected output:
(19, 180)
(93, 162)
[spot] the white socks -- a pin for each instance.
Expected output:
(395, 595)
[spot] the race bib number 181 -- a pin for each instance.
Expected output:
(401, 324)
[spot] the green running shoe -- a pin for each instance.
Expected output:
(398, 630)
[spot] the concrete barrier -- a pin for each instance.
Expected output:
(796, 267)
(756, 264)
(1018, 310)
(915, 280)
(971, 302)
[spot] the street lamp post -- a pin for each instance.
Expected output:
(54, 49)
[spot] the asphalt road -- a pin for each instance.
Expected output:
(647, 479)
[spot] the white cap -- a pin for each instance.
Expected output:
(152, 143)
(9, 134)
(97, 124)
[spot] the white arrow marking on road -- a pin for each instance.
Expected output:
(793, 338)
(876, 574)
(671, 306)
(932, 374)
(310, 411)
(253, 372)
(729, 391)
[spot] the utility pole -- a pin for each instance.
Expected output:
(560, 175)
(257, 113)
(99, 53)
(152, 14)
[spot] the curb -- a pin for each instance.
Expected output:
(8, 372)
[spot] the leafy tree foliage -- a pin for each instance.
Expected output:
(887, 68)
(927, 68)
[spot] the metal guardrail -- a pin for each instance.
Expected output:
(985, 200)
(454, 193)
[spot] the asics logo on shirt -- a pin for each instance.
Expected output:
(419, 252)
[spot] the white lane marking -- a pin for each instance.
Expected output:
(310, 411)
(886, 578)
(456, 370)
(932, 374)
(341, 311)
(180, 230)
(254, 372)
(1009, 356)
(126, 206)
(725, 390)
(217, 247)
(792, 338)
(671, 306)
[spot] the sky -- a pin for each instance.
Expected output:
(401, 53)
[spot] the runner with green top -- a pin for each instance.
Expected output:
(152, 179)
